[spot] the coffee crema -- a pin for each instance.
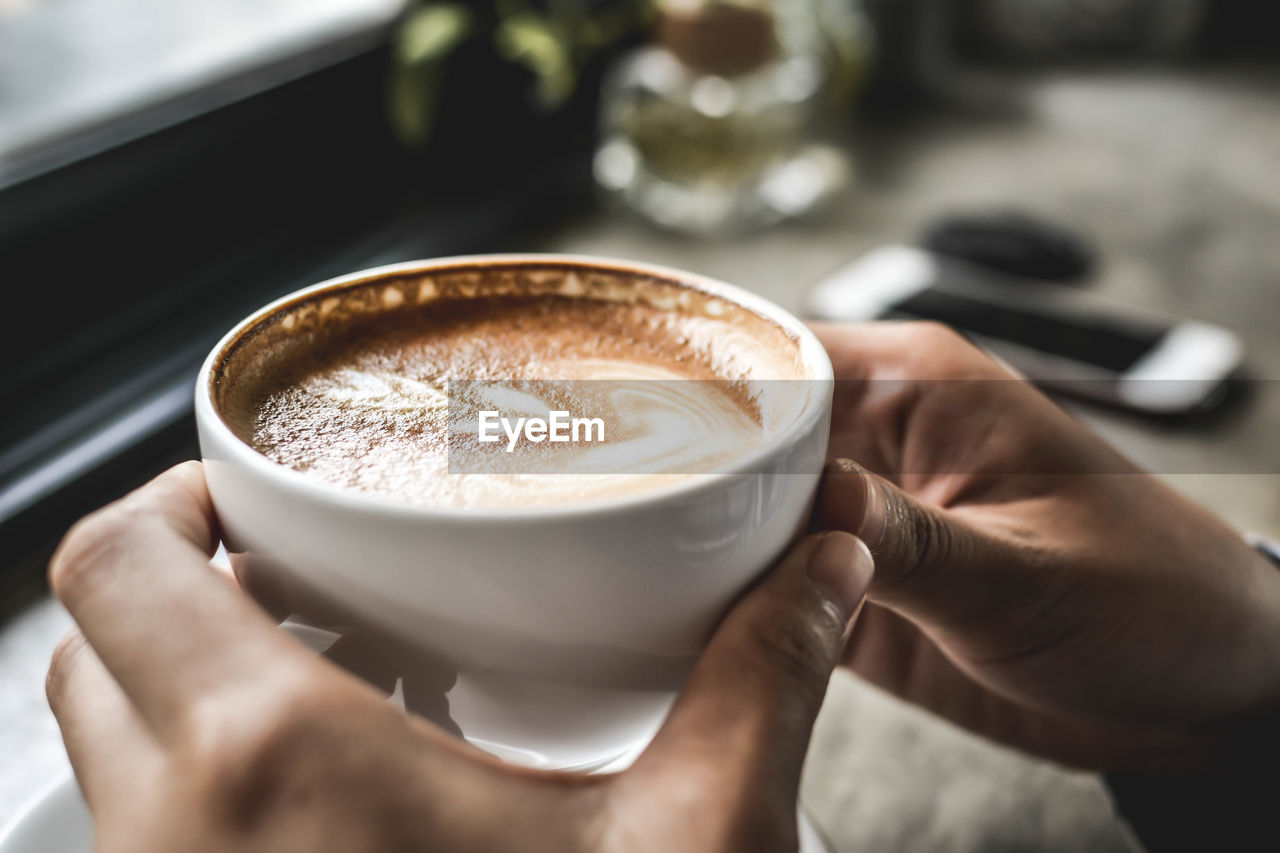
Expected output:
(377, 387)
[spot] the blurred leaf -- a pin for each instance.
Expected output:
(431, 32)
(425, 39)
(552, 40)
(540, 45)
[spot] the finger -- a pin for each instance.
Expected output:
(168, 628)
(908, 538)
(746, 714)
(930, 562)
(113, 755)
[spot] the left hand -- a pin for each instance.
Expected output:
(193, 723)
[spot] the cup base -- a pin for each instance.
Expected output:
(555, 726)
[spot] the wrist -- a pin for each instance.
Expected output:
(1242, 733)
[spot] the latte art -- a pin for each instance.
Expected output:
(394, 401)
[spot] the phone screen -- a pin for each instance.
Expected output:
(1108, 342)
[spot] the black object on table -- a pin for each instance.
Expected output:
(1018, 244)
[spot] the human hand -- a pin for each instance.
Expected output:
(1031, 584)
(193, 723)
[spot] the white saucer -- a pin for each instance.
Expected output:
(54, 821)
(58, 821)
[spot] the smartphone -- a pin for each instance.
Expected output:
(1060, 337)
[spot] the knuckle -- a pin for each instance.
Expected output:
(65, 657)
(87, 547)
(190, 469)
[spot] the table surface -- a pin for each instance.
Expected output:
(1174, 174)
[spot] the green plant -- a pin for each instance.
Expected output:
(553, 41)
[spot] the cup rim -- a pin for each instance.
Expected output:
(813, 357)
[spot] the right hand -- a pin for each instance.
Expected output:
(1031, 584)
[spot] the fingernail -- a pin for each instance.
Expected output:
(841, 567)
(850, 475)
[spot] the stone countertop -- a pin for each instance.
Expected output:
(1175, 176)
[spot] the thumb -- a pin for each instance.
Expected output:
(925, 556)
(745, 715)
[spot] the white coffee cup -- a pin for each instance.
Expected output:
(568, 627)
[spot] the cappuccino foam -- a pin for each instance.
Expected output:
(371, 389)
